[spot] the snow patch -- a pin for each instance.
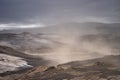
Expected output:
(11, 63)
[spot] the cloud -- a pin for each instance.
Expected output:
(56, 11)
(13, 26)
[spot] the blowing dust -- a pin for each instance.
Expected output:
(73, 49)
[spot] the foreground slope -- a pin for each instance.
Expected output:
(12, 60)
(106, 68)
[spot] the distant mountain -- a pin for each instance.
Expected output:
(72, 28)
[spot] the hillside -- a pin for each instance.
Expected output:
(95, 69)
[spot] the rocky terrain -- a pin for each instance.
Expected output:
(106, 68)
(12, 60)
(93, 53)
(91, 63)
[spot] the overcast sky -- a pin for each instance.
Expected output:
(44, 12)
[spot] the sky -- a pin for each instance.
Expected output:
(37, 13)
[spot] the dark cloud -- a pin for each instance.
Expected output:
(19, 10)
(50, 11)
